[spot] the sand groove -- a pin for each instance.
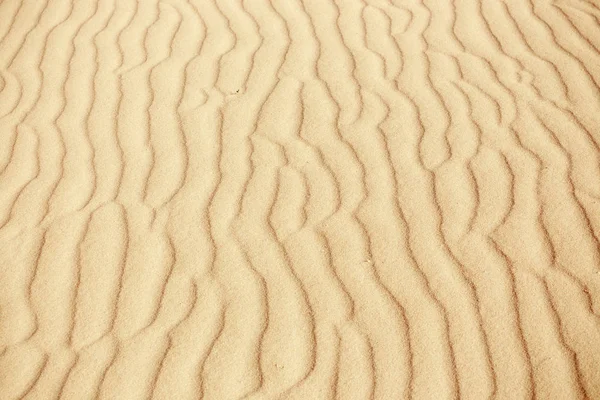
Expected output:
(305, 199)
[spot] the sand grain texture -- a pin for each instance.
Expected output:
(303, 199)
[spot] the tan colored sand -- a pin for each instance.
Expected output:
(299, 199)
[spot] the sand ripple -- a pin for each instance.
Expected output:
(304, 199)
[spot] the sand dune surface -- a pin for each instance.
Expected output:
(299, 199)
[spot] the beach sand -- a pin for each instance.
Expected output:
(299, 199)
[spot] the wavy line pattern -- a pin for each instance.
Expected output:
(304, 199)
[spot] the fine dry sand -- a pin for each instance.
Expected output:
(299, 199)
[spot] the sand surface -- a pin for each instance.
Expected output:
(299, 199)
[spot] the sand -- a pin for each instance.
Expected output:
(299, 199)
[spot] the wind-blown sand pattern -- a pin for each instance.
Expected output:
(303, 199)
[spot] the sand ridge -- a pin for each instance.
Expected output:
(304, 199)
